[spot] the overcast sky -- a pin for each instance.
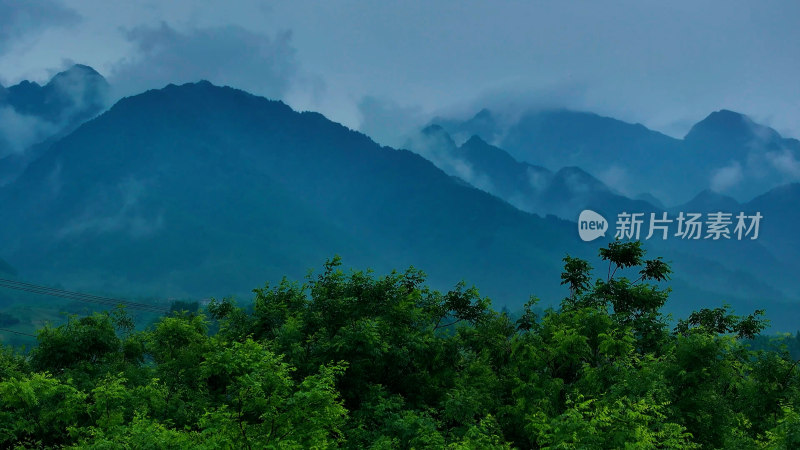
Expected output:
(373, 64)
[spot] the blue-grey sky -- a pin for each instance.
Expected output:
(385, 66)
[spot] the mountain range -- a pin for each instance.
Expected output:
(199, 190)
(726, 152)
(749, 269)
(529, 187)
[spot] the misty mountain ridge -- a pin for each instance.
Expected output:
(726, 152)
(734, 129)
(568, 191)
(32, 116)
(535, 189)
(205, 191)
(70, 95)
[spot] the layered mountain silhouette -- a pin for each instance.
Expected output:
(727, 152)
(32, 116)
(203, 190)
(532, 188)
(755, 269)
(199, 191)
(70, 96)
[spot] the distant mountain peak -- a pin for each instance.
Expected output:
(723, 119)
(77, 74)
(68, 99)
(201, 92)
(487, 157)
(727, 114)
(730, 126)
(81, 69)
(439, 134)
(71, 95)
(198, 83)
(25, 84)
(709, 200)
(709, 194)
(476, 140)
(483, 124)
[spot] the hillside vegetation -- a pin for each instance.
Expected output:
(348, 359)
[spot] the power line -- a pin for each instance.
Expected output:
(82, 298)
(17, 332)
(77, 296)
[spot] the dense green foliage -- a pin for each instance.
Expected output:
(357, 361)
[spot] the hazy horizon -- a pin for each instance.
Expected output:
(665, 66)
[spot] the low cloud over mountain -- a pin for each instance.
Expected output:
(31, 114)
(726, 152)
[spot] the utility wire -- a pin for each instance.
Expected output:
(110, 303)
(17, 332)
(88, 298)
(77, 296)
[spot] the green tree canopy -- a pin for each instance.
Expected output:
(350, 359)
